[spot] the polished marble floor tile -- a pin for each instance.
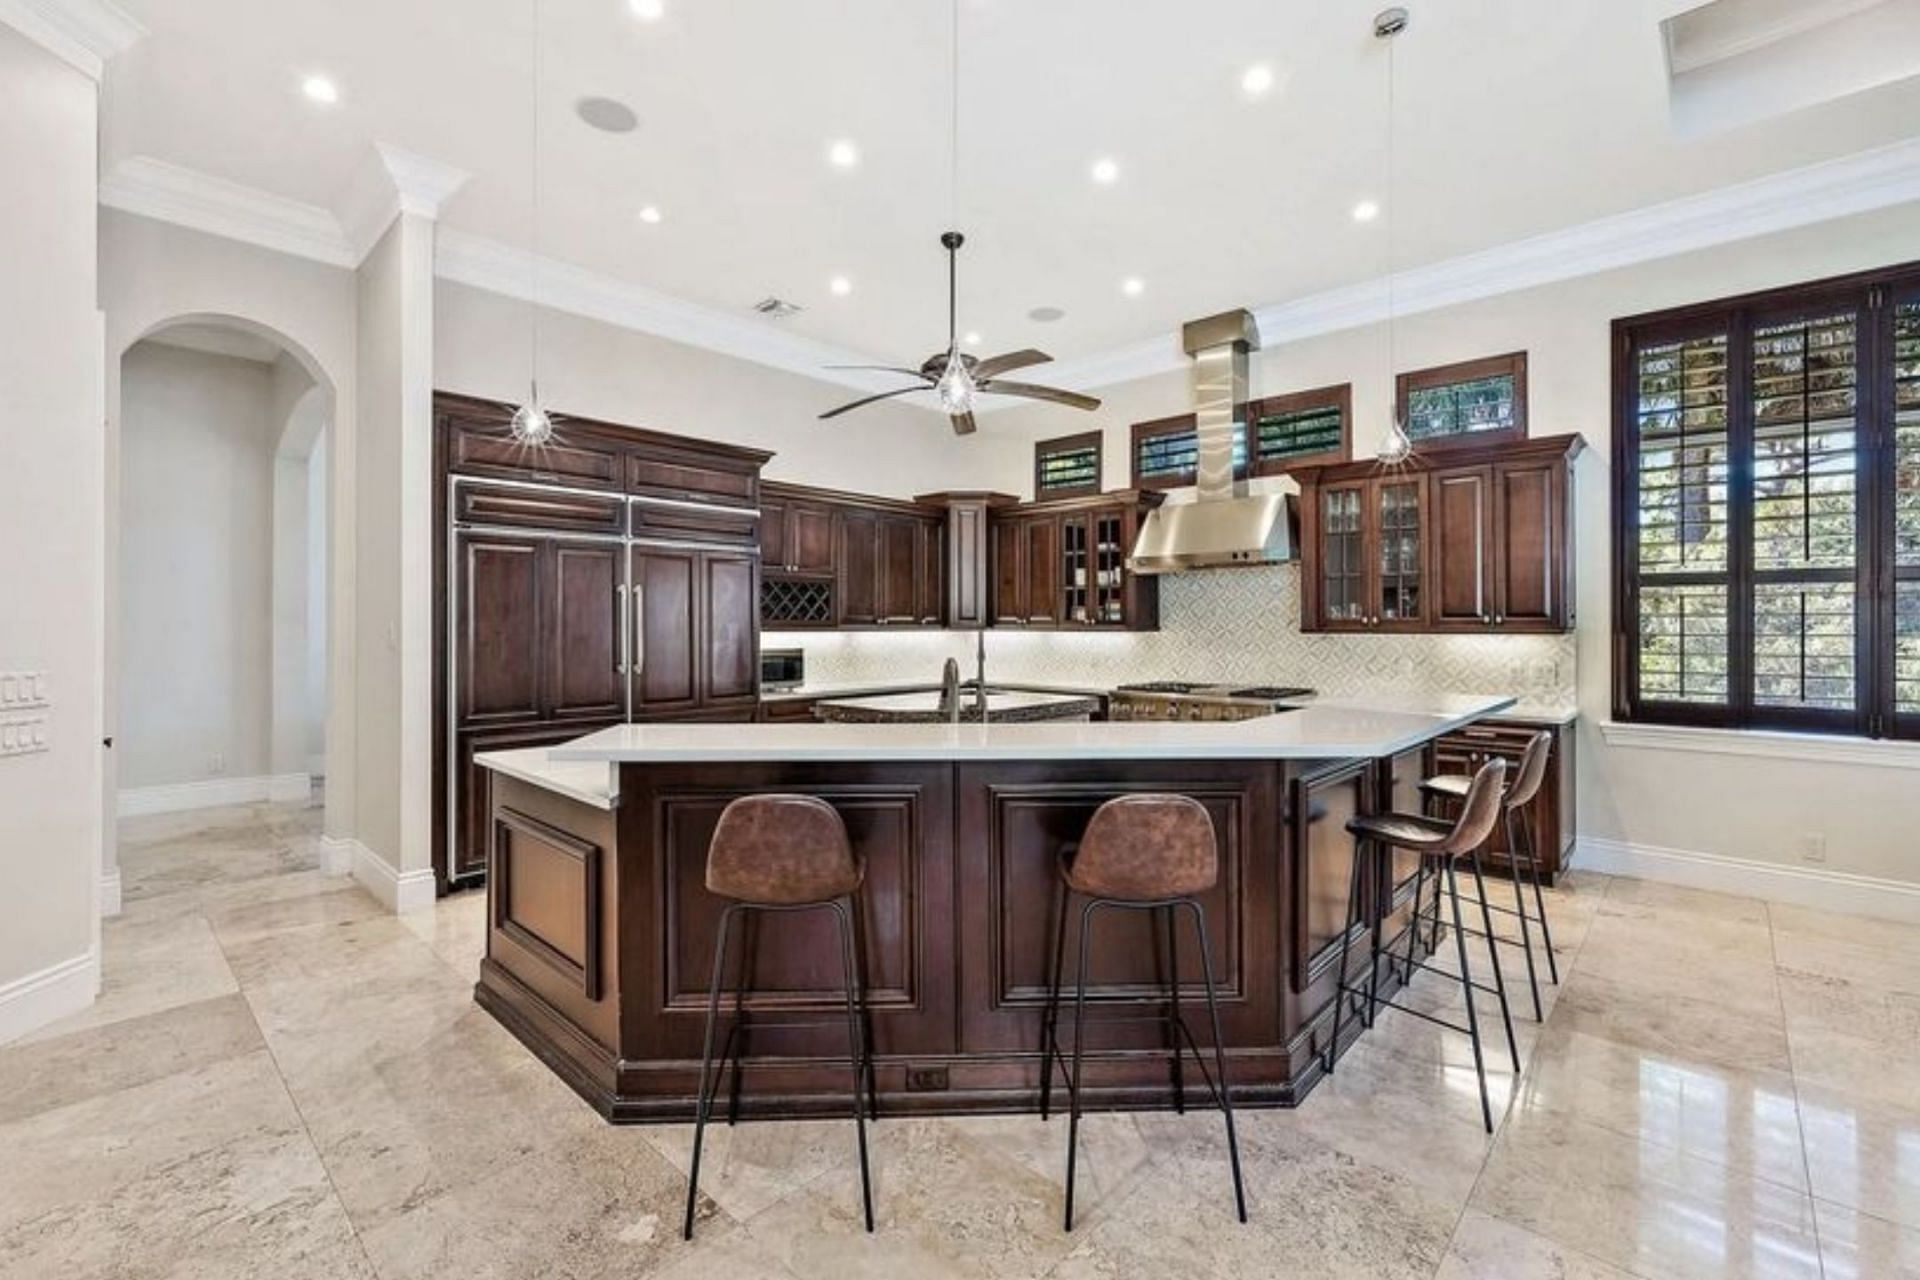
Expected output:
(283, 1080)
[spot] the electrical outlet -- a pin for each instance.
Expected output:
(1813, 848)
(926, 1079)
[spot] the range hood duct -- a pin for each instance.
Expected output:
(1224, 527)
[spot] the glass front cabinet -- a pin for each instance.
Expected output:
(1370, 554)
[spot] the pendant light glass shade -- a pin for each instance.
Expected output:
(531, 425)
(955, 387)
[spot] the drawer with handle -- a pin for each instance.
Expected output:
(533, 507)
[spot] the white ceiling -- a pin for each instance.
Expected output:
(1517, 117)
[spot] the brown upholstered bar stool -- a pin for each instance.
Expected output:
(1145, 852)
(1521, 796)
(785, 853)
(1441, 846)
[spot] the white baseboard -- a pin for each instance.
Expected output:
(137, 802)
(399, 891)
(29, 1003)
(336, 856)
(110, 893)
(1815, 887)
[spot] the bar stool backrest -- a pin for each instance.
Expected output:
(1146, 846)
(1478, 811)
(782, 850)
(1531, 772)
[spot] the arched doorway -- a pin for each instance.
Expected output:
(221, 590)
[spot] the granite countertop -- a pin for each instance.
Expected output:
(1003, 705)
(1324, 730)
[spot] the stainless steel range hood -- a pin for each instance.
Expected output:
(1224, 526)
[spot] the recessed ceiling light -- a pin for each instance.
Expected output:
(650, 215)
(321, 90)
(607, 115)
(1106, 171)
(648, 10)
(1366, 211)
(841, 286)
(1045, 315)
(843, 154)
(1257, 80)
(973, 338)
(1133, 286)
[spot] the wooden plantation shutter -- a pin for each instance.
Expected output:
(1067, 466)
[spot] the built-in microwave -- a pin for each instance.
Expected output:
(782, 669)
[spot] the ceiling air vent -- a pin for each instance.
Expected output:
(776, 308)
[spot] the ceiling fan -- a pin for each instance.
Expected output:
(958, 377)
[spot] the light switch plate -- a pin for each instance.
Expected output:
(22, 689)
(23, 735)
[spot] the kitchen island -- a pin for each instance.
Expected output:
(600, 929)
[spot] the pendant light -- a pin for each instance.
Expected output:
(1397, 447)
(532, 426)
(956, 386)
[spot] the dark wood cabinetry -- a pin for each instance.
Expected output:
(843, 560)
(1481, 543)
(1550, 821)
(610, 575)
(1062, 565)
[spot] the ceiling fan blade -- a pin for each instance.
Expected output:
(880, 368)
(884, 395)
(963, 424)
(1028, 391)
(993, 366)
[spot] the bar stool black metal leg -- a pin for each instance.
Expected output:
(1540, 905)
(706, 1065)
(1466, 989)
(1079, 1037)
(1381, 894)
(1051, 1022)
(857, 1045)
(1346, 938)
(1174, 1025)
(1219, 1056)
(1414, 919)
(1493, 957)
(735, 1046)
(866, 1015)
(1520, 910)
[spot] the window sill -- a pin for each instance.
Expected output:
(1819, 748)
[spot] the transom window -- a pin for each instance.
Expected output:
(1475, 402)
(1767, 510)
(1067, 466)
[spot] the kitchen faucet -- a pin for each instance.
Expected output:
(950, 689)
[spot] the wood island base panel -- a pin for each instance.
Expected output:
(601, 930)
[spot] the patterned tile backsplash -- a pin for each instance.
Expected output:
(1239, 625)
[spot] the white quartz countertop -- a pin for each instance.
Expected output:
(589, 782)
(1345, 729)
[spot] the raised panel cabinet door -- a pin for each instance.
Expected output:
(586, 668)
(899, 570)
(775, 545)
(664, 596)
(931, 582)
(810, 538)
(1461, 535)
(498, 638)
(1530, 524)
(857, 535)
(1009, 574)
(1042, 538)
(729, 629)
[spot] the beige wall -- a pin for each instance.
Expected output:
(197, 449)
(1716, 804)
(51, 524)
(482, 347)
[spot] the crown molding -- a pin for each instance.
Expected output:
(391, 182)
(188, 198)
(1859, 183)
(85, 34)
(498, 268)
